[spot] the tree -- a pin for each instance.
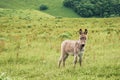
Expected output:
(97, 8)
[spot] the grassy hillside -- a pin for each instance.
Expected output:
(55, 6)
(30, 47)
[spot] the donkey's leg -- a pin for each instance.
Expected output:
(60, 60)
(64, 59)
(80, 61)
(75, 60)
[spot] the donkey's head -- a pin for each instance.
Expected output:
(83, 37)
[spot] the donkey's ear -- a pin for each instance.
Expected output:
(86, 31)
(80, 31)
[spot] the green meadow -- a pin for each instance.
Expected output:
(55, 7)
(30, 46)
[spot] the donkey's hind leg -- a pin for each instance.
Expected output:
(64, 59)
(60, 60)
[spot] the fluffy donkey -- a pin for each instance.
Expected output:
(73, 47)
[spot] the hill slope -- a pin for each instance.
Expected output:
(23, 13)
(56, 7)
(30, 47)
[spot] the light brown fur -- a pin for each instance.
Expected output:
(73, 47)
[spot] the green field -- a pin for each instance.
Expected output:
(30, 46)
(30, 43)
(55, 7)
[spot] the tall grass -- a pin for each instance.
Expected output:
(32, 47)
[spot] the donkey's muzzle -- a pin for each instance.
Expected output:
(82, 45)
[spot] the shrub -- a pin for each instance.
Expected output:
(97, 8)
(43, 7)
(65, 35)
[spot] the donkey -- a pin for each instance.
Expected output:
(73, 47)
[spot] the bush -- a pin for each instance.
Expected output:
(43, 7)
(65, 35)
(94, 8)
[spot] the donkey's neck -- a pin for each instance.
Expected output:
(80, 46)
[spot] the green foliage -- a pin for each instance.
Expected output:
(94, 8)
(65, 35)
(43, 7)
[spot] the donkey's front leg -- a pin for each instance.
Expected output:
(75, 60)
(80, 59)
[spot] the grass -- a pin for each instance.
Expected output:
(56, 7)
(32, 46)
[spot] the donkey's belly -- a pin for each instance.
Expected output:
(70, 51)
